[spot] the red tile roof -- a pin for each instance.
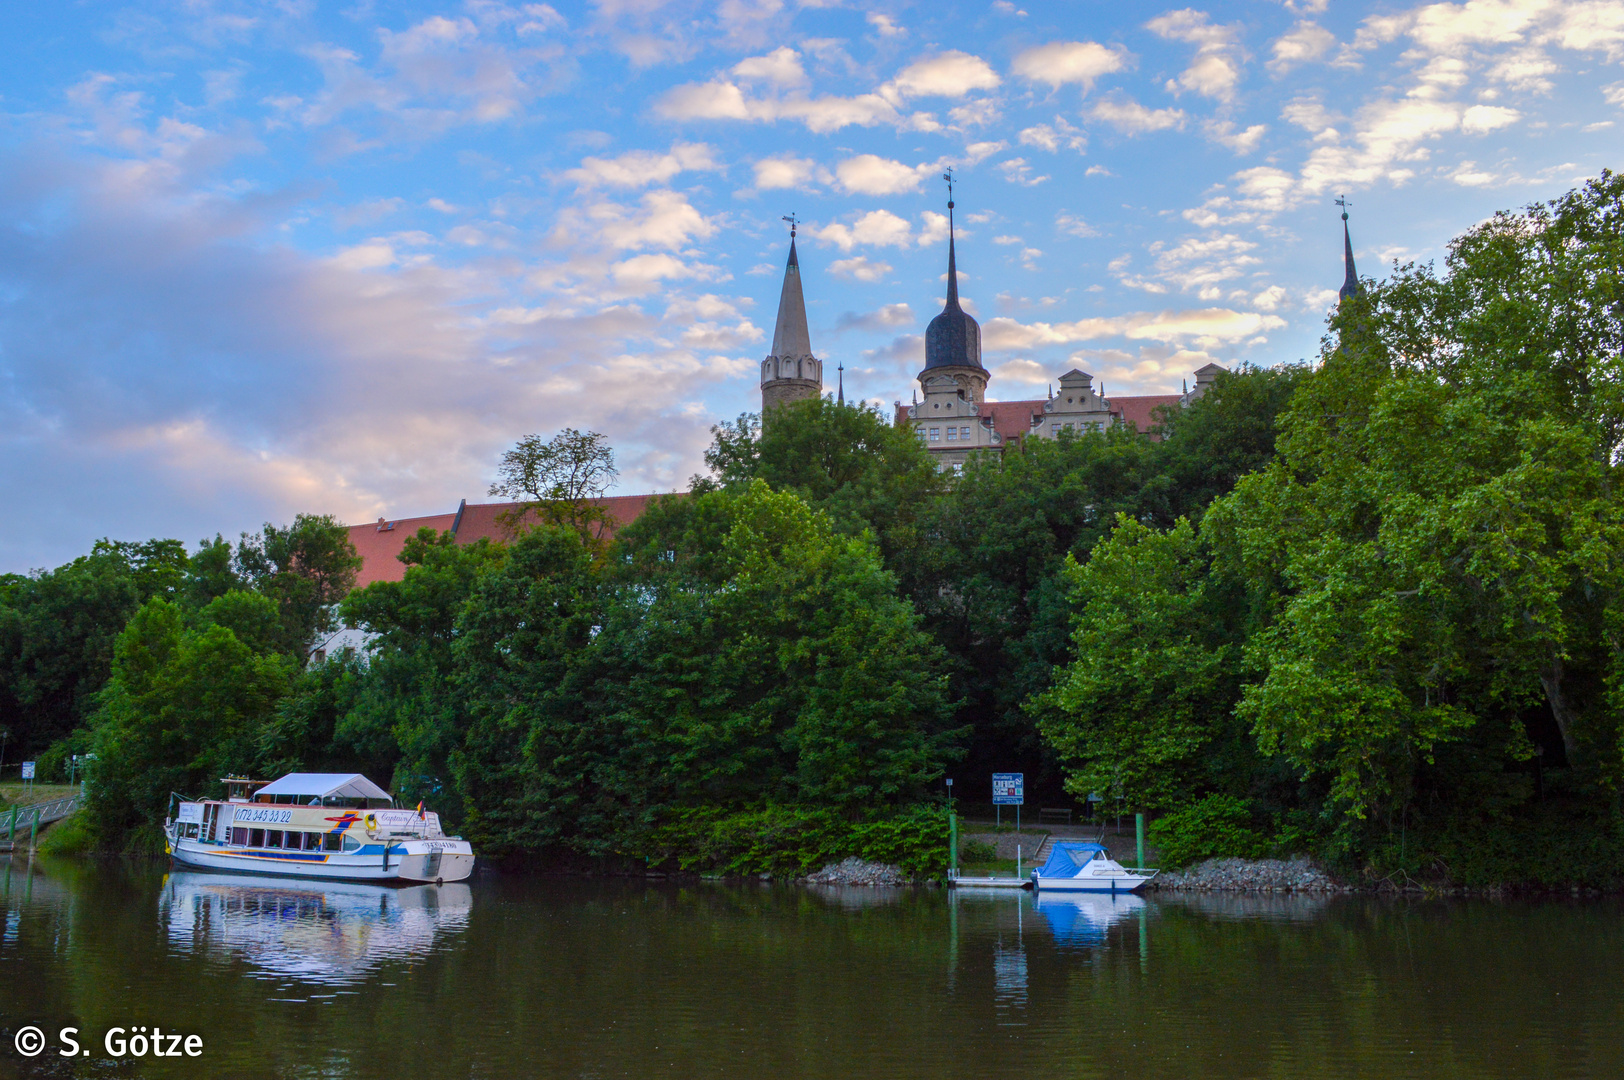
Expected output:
(1013, 419)
(380, 543)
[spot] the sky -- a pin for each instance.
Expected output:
(276, 258)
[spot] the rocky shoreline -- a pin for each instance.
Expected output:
(855, 871)
(1296, 875)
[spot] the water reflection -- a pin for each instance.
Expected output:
(318, 932)
(1080, 920)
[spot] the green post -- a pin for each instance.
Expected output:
(11, 834)
(1139, 835)
(952, 843)
(33, 830)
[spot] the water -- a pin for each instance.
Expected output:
(519, 977)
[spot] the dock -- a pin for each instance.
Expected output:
(956, 882)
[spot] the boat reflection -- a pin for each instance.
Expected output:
(1082, 919)
(317, 932)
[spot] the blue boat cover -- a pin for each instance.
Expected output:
(1068, 857)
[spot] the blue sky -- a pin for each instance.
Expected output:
(257, 259)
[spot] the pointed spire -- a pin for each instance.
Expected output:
(952, 258)
(791, 339)
(953, 338)
(840, 398)
(1350, 283)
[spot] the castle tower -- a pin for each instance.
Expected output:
(791, 373)
(953, 339)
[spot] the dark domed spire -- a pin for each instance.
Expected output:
(1350, 284)
(953, 338)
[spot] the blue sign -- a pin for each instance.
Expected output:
(1008, 788)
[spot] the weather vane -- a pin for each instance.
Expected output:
(793, 221)
(948, 176)
(1344, 204)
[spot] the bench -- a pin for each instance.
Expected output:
(1054, 816)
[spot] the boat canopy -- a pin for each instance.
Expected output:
(1067, 857)
(305, 786)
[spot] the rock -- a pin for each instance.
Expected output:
(1299, 874)
(855, 871)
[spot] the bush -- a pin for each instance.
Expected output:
(70, 836)
(796, 840)
(977, 851)
(1219, 826)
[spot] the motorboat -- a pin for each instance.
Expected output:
(1075, 866)
(337, 826)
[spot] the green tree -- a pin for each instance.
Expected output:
(185, 705)
(1135, 715)
(306, 568)
(559, 481)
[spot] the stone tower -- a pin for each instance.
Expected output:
(953, 339)
(791, 373)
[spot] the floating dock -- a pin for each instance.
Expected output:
(989, 883)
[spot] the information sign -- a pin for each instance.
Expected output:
(28, 770)
(1008, 788)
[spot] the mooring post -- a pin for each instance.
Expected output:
(33, 830)
(11, 834)
(1139, 836)
(952, 844)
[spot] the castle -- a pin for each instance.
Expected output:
(953, 420)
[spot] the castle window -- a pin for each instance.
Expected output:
(964, 434)
(952, 434)
(1054, 429)
(920, 432)
(935, 434)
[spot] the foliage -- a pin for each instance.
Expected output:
(795, 840)
(184, 707)
(70, 836)
(559, 481)
(1216, 827)
(1134, 716)
(977, 851)
(307, 568)
(846, 460)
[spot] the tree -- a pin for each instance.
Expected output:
(559, 481)
(306, 568)
(1135, 715)
(185, 705)
(846, 460)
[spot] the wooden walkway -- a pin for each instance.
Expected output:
(31, 819)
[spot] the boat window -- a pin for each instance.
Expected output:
(239, 837)
(314, 800)
(312, 841)
(333, 841)
(351, 843)
(333, 800)
(256, 837)
(286, 800)
(273, 838)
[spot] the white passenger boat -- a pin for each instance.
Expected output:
(1074, 866)
(338, 826)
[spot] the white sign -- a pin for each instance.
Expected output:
(190, 811)
(263, 817)
(28, 770)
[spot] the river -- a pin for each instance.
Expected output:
(528, 977)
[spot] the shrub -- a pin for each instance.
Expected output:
(795, 840)
(70, 836)
(977, 851)
(1219, 826)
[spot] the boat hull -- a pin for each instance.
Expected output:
(1125, 883)
(407, 861)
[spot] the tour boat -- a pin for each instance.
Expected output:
(339, 826)
(1078, 867)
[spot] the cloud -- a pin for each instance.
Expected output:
(1216, 69)
(1061, 62)
(950, 74)
(786, 171)
(860, 268)
(1017, 171)
(1132, 118)
(1206, 327)
(870, 174)
(1302, 44)
(1074, 226)
(880, 228)
(640, 168)
(885, 25)
(1241, 142)
(1053, 137)
(662, 219)
(725, 100)
(781, 67)
(885, 318)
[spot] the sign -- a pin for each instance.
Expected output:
(1008, 788)
(28, 770)
(190, 811)
(263, 817)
